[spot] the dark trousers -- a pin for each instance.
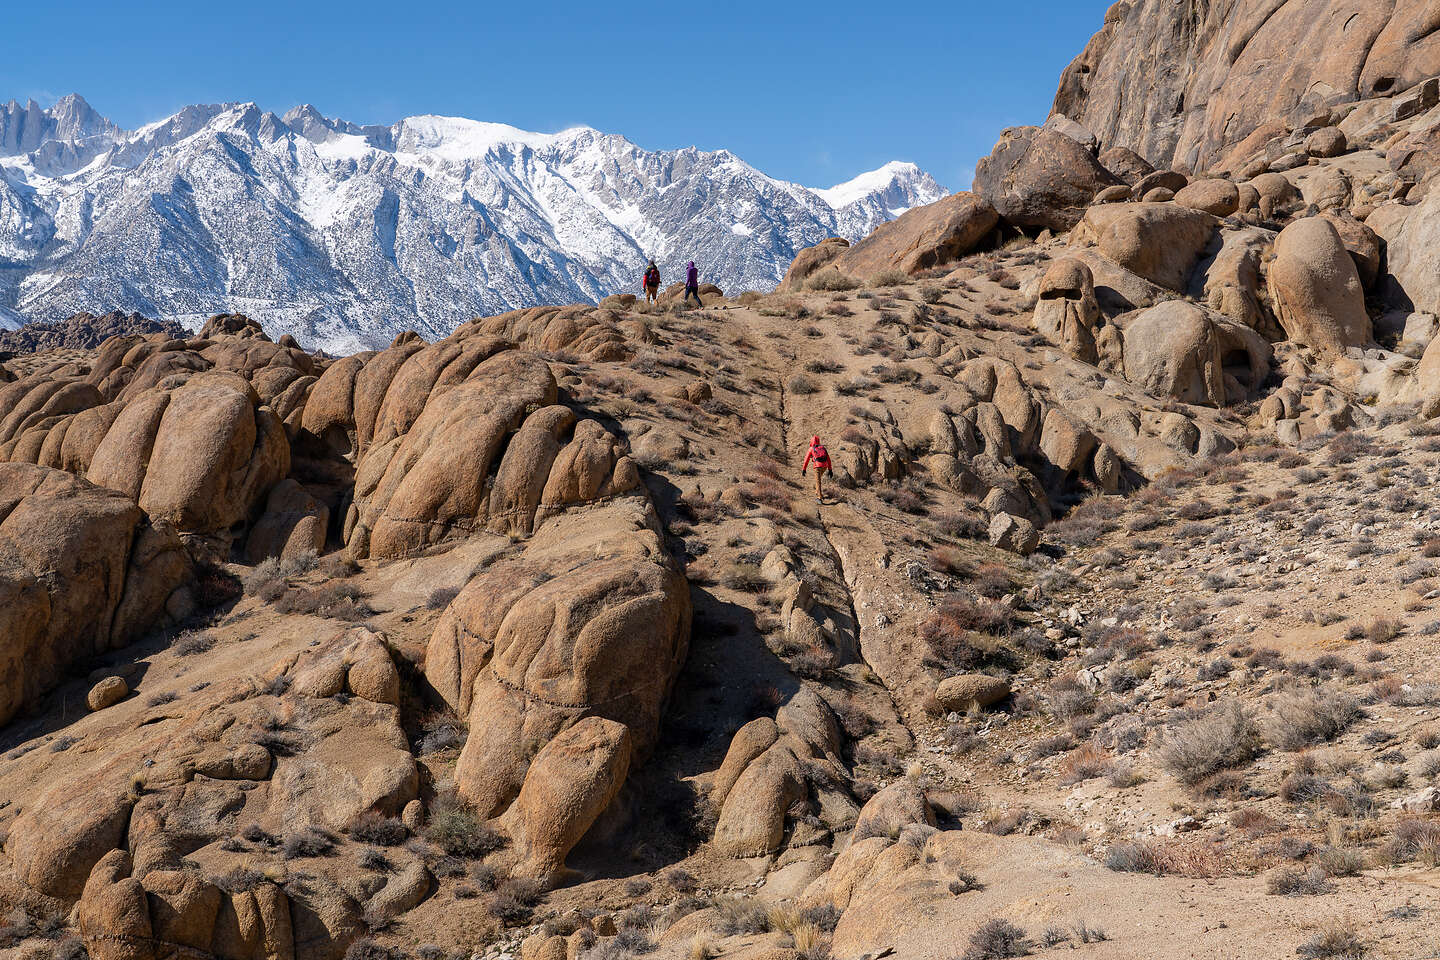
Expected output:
(692, 291)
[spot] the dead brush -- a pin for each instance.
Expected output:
(766, 492)
(1298, 720)
(1085, 763)
(1222, 739)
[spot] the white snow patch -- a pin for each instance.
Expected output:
(740, 230)
(343, 146)
(456, 138)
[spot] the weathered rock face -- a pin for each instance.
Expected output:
(1191, 85)
(1160, 242)
(921, 238)
(1066, 310)
(768, 768)
(1126, 164)
(570, 782)
(592, 620)
(1412, 240)
(1182, 351)
(1172, 350)
(1316, 289)
(81, 573)
(1040, 179)
(444, 424)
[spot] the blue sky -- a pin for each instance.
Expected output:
(814, 93)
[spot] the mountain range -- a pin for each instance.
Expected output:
(345, 235)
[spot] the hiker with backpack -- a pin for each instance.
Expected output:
(651, 283)
(818, 455)
(692, 285)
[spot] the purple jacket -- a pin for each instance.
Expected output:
(692, 276)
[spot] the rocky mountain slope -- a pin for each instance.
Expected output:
(346, 235)
(1111, 635)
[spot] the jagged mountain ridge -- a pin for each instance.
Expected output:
(344, 235)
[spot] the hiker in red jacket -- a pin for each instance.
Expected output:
(651, 283)
(692, 284)
(821, 458)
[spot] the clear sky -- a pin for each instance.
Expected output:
(810, 92)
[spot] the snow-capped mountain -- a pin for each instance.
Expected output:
(345, 235)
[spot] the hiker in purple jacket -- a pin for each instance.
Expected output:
(692, 284)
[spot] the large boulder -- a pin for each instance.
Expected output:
(81, 573)
(1126, 164)
(921, 238)
(1218, 198)
(1316, 290)
(810, 260)
(1172, 350)
(1040, 179)
(570, 782)
(1361, 242)
(971, 691)
(1160, 242)
(592, 619)
(1066, 310)
(1411, 235)
(294, 524)
(421, 485)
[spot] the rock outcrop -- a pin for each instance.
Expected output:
(1040, 179)
(1204, 88)
(591, 621)
(81, 573)
(1316, 289)
(922, 238)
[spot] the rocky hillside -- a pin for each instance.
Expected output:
(83, 331)
(1111, 633)
(346, 235)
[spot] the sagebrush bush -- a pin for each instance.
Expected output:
(997, 939)
(830, 279)
(1337, 941)
(1299, 720)
(1289, 882)
(460, 832)
(1227, 737)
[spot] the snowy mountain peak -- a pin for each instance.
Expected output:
(345, 234)
(899, 184)
(27, 128)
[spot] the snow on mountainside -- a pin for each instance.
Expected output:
(345, 235)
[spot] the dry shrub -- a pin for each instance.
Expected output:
(950, 561)
(460, 831)
(1414, 839)
(372, 827)
(1299, 720)
(744, 576)
(801, 385)
(997, 939)
(1086, 762)
(768, 493)
(889, 278)
(830, 280)
(1196, 860)
(338, 601)
(1336, 941)
(1289, 882)
(1227, 737)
